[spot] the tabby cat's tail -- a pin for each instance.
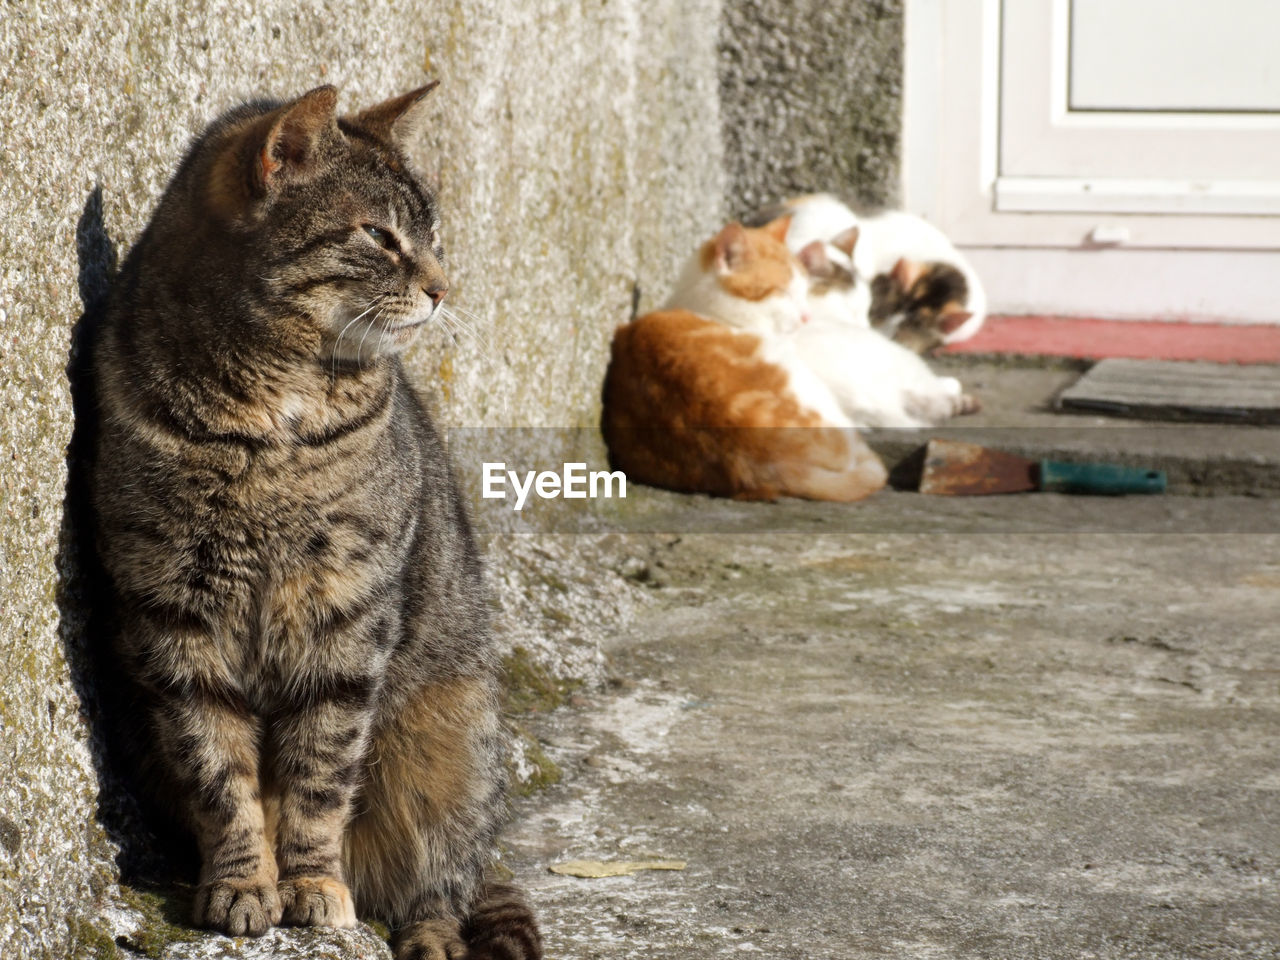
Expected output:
(502, 926)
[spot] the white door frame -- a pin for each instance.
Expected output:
(1058, 244)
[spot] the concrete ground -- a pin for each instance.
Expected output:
(936, 744)
(1017, 727)
(1021, 727)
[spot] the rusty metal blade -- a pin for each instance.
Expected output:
(952, 468)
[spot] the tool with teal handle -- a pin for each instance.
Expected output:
(1105, 478)
(965, 469)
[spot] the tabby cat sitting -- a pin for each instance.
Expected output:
(301, 603)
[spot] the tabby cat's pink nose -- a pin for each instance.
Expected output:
(436, 294)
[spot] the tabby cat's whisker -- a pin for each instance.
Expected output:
(466, 318)
(360, 347)
(382, 334)
(440, 315)
(333, 365)
(467, 323)
(455, 327)
(447, 322)
(465, 312)
(333, 360)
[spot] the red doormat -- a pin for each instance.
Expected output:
(1141, 339)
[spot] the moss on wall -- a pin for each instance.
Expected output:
(580, 152)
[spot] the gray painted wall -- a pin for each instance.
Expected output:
(582, 148)
(811, 95)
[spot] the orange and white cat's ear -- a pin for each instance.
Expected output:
(952, 320)
(778, 228)
(732, 248)
(294, 139)
(906, 272)
(813, 257)
(398, 120)
(846, 241)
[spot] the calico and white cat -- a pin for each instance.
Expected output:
(709, 393)
(922, 290)
(877, 382)
(919, 305)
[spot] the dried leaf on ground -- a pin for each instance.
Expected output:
(612, 868)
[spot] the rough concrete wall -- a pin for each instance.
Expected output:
(578, 149)
(581, 154)
(811, 95)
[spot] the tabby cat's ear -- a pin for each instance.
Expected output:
(398, 120)
(293, 142)
(846, 241)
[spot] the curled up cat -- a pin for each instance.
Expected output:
(301, 609)
(914, 285)
(877, 382)
(710, 395)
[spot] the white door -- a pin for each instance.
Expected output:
(1112, 158)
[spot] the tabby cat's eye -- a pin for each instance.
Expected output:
(382, 237)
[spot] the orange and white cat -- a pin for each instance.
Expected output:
(849, 373)
(709, 394)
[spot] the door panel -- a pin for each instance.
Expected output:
(1042, 134)
(1174, 55)
(1154, 211)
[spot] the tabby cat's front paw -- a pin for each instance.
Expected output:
(237, 908)
(431, 940)
(317, 902)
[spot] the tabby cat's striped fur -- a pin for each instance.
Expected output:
(299, 593)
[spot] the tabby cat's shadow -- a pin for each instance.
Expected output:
(85, 622)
